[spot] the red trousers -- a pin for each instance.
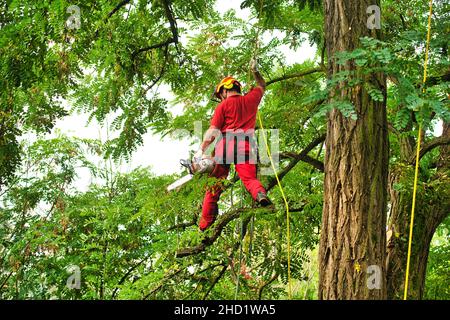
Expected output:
(247, 173)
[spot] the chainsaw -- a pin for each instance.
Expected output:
(197, 166)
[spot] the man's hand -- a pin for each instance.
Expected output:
(211, 134)
(258, 77)
(198, 155)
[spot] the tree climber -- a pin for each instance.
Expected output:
(233, 124)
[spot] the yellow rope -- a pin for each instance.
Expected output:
(288, 236)
(286, 205)
(416, 173)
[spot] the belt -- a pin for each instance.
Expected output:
(235, 135)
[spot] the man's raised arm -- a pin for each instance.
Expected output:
(210, 135)
(258, 77)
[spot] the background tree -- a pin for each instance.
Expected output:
(356, 162)
(408, 106)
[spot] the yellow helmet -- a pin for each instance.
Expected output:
(226, 83)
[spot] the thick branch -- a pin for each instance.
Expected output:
(155, 46)
(295, 75)
(172, 21)
(305, 158)
(265, 284)
(430, 145)
(117, 8)
(207, 241)
(222, 272)
(433, 80)
(173, 29)
(163, 69)
(230, 257)
(183, 225)
(314, 162)
(231, 215)
(294, 162)
(166, 277)
(125, 276)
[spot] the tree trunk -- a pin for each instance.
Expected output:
(432, 207)
(353, 235)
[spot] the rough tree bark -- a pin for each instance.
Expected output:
(353, 235)
(432, 207)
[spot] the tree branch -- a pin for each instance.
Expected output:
(125, 276)
(6, 280)
(230, 257)
(403, 21)
(294, 162)
(265, 284)
(433, 80)
(183, 225)
(207, 241)
(213, 266)
(173, 29)
(117, 8)
(295, 75)
(233, 214)
(430, 145)
(322, 56)
(172, 21)
(155, 46)
(161, 73)
(305, 158)
(222, 272)
(166, 277)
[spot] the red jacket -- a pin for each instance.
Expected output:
(236, 114)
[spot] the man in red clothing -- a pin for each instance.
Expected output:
(233, 124)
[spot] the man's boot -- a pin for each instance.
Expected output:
(262, 199)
